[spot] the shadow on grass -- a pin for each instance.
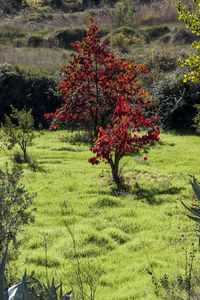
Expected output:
(150, 194)
(35, 167)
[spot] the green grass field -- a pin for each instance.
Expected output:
(120, 233)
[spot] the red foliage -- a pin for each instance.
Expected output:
(123, 136)
(93, 81)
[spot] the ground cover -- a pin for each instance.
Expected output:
(121, 233)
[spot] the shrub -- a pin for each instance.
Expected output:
(15, 204)
(162, 62)
(121, 41)
(11, 6)
(154, 32)
(125, 30)
(18, 129)
(182, 36)
(124, 42)
(175, 101)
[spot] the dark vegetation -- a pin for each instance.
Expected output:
(25, 89)
(32, 83)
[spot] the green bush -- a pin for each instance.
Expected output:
(175, 101)
(10, 6)
(154, 32)
(121, 41)
(15, 203)
(24, 89)
(18, 130)
(124, 42)
(125, 30)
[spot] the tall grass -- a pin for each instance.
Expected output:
(115, 230)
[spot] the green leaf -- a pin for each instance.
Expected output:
(22, 290)
(194, 218)
(196, 188)
(195, 211)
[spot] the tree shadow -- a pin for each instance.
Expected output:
(35, 167)
(149, 194)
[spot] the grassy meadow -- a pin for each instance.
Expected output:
(82, 222)
(120, 234)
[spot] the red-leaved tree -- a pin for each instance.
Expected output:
(93, 81)
(124, 135)
(102, 90)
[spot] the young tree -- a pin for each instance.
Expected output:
(18, 129)
(123, 136)
(93, 81)
(191, 17)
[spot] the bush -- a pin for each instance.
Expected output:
(121, 41)
(154, 32)
(162, 62)
(24, 89)
(18, 129)
(10, 6)
(182, 36)
(125, 30)
(15, 204)
(175, 101)
(124, 42)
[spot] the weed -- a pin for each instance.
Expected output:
(84, 279)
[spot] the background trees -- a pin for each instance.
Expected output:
(191, 17)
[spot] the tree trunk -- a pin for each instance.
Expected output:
(115, 170)
(25, 155)
(95, 128)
